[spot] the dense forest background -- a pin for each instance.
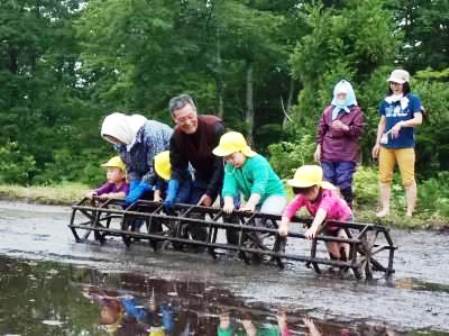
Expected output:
(266, 67)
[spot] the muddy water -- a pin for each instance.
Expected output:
(52, 286)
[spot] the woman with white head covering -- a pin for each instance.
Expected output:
(339, 131)
(137, 140)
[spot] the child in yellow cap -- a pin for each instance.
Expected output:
(116, 185)
(168, 190)
(249, 174)
(322, 201)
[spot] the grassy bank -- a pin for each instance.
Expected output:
(397, 219)
(69, 193)
(62, 194)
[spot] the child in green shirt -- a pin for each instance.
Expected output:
(249, 174)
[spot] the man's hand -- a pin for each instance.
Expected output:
(205, 200)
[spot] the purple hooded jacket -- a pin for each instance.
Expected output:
(340, 145)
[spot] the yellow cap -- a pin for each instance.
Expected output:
(156, 331)
(233, 142)
(162, 165)
(308, 176)
(115, 162)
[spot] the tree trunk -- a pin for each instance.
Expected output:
(287, 108)
(219, 79)
(250, 100)
(220, 101)
(13, 62)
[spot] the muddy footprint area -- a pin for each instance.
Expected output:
(52, 285)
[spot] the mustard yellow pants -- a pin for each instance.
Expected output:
(404, 157)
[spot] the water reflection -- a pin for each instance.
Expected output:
(54, 299)
(313, 329)
(127, 314)
(248, 325)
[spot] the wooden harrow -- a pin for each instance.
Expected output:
(250, 236)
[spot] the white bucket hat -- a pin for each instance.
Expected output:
(399, 76)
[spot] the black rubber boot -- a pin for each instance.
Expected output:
(347, 195)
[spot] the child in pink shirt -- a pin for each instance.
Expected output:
(322, 201)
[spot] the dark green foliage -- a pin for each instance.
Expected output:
(15, 166)
(286, 157)
(434, 194)
(64, 65)
(354, 42)
(433, 136)
(426, 27)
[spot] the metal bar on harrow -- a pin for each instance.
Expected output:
(226, 225)
(100, 219)
(224, 246)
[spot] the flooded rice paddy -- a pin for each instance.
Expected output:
(51, 285)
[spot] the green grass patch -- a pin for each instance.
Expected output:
(397, 219)
(365, 204)
(61, 194)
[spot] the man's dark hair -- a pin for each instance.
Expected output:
(179, 102)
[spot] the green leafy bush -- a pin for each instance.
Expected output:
(433, 194)
(286, 156)
(84, 167)
(366, 188)
(15, 167)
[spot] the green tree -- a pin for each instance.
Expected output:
(341, 44)
(426, 32)
(41, 98)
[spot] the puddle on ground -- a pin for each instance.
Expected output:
(47, 298)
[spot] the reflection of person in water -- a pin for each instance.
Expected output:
(113, 317)
(111, 314)
(158, 322)
(124, 315)
(249, 328)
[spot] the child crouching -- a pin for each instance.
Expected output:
(116, 185)
(167, 189)
(322, 201)
(249, 174)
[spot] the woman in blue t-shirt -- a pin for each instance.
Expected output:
(400, 113)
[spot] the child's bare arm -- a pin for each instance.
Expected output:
(252, 202)
(117, 195)
(284, 226)
(317, 223)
